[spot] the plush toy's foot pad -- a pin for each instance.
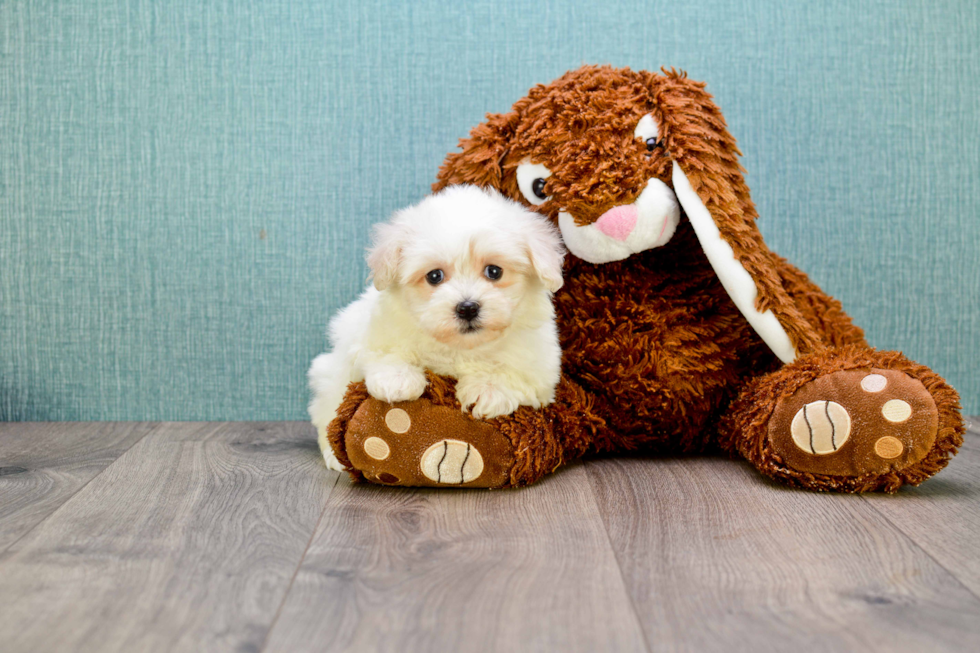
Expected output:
(417, 443)
(855, 422)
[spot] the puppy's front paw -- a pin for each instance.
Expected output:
(395, 383)
(331, 461)
(488, 399)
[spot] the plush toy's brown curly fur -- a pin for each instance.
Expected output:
(656, 355)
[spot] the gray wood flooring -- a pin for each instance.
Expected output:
(233, 537)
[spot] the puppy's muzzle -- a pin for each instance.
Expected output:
(468, 310)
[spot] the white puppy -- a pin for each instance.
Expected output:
(462, 287)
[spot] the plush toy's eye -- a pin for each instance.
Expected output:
(537, 187)
(492, 272)
(531, 178)
(646, 130)
(434, 277)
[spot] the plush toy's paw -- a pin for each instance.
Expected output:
(855, 422)
(407, 444)
(848, 419)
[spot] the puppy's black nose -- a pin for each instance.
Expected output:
(467, 310)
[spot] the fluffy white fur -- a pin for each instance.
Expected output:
(508, 356)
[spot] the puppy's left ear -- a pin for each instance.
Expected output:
(709, 185)
(546, 253)
(384, 255)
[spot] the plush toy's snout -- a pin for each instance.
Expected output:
(618, 222)
(646, 223)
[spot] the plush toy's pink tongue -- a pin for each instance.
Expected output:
(618, 222)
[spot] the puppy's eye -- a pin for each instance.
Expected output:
(492, 272)
(434, 277)
(652, 143)
(531, 179)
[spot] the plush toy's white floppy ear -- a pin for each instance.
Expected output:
(545, 252)
(385, 253)
(709, 185)
(734, 277)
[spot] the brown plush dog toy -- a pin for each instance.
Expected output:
(681, 330)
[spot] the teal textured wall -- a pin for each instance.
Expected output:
(186, 187)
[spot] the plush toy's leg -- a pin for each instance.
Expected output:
(848, 419)
(824, 313)
(431, 442)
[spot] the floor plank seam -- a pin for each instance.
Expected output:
(928, 554)
(971, 435)
(299, 565)
(30, 530)
(619, 564)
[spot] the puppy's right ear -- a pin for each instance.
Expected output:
(385, 253)
(481, 163)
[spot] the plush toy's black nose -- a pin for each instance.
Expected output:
(467, 310)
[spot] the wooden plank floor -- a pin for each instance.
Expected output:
(233, 537)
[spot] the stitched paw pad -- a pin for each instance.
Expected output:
(855, 422)
(408, 445)
(452, 462)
